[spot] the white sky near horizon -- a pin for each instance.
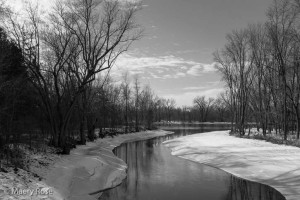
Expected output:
(175, 55)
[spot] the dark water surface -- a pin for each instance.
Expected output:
(154, 174)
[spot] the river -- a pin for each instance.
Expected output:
(154, 174)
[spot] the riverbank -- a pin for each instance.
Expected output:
(83, 174)
(162, 123)
(91, 168)
(275, 165)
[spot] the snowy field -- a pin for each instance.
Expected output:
(255, 160)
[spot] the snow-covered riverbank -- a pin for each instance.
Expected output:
(88, 170)
(255, 160)
(93, 167)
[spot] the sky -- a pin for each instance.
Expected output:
(174, 56)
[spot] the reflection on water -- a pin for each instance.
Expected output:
(240, 189)
(154, 174)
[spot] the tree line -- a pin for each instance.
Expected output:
(204, 109)
(260, 66)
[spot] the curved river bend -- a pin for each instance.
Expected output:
(154, 174)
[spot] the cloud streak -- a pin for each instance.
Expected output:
(163, 67)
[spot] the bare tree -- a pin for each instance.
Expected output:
(80, 39)
(137, 101)
(126, 92)
(169, 104)
(220, 106)
(259, 96)
(235, 63)
(203, 106)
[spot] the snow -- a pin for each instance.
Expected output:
(83, 174)
(275, 165)
(91, 168)
(30, 182)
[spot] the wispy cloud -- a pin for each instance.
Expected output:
(201, 68)
(171, 76)
(163, 67)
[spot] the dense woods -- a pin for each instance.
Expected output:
(260, 65)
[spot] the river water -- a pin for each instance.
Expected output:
(154, 174)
